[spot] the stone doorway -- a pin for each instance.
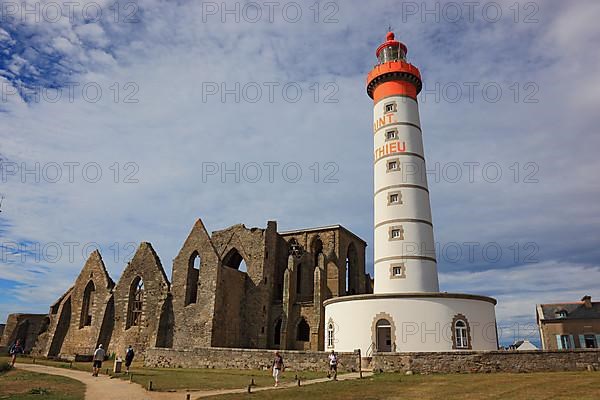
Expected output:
(384, 336)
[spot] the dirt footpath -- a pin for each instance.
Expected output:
(105, 388)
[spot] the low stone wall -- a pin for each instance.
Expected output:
(225, 358)
(492, 361)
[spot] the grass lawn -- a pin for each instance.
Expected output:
(534, 386)
(25, 385)
(164, 379)
(207, 379)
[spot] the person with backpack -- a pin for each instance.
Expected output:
(99, 355)
(129, 354)
(278, 367)
(333, 363)
(15, 349)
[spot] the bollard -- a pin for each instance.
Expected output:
(249, 388)
(150, 386)
(188, 396)
(298, 382)
(252, 383)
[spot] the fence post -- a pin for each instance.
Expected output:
(359, 364)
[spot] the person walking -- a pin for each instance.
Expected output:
(99, 355)
(15, 349)
(129, 354)
(278, 367)
(333, 363)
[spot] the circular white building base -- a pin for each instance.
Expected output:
(410, 322)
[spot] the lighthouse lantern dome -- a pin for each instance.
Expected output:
(391, 50)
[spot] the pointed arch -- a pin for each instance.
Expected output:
(192, 282)
(303, 331)
(87, 303)
(235, 260)
(351, 270)
(135, 304)
(316, 249)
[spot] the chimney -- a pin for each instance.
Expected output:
(587, 301)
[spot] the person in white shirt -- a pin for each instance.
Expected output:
(333, 363)
(99, 355)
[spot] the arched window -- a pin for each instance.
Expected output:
(351, 270)
(317, 248)
(191, 287)
(87, 304)
(303, 331)
(277, 333)
(460, 333)
(136, 303)
(330, 333)
(234, 260)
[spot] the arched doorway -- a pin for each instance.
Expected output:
(383, 336)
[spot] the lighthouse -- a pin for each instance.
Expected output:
(404, 252)
(406, 311)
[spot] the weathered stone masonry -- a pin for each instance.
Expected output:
(240, 287)
(491, 361)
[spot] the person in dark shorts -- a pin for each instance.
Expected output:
(333, 363)
(99, 355)
(129, 354)
(277, 367)
(15, 349)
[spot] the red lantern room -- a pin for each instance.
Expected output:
(393, 75)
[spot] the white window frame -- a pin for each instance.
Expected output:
(393, 137)
(461, 333)
(330, 334)
(393, 108)
(396, 165)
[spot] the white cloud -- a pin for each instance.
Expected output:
(163, 61)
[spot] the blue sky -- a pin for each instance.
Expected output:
(158, 126)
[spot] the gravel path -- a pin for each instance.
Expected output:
(105, 388)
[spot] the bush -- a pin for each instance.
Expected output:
(4, 366)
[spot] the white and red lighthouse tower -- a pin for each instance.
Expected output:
(407, 312)
(404, 246)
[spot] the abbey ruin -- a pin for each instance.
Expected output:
(237, 288)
